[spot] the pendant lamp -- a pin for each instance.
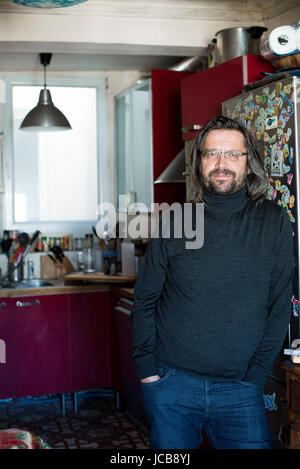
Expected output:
(45, 117)
(48, 3)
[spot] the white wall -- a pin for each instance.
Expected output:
(172, 23)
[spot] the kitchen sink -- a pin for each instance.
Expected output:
(33, 283)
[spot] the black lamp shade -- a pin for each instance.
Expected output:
(45, 117)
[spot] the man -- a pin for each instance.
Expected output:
(208, 323)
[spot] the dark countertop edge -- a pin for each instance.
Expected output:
(60, 289)
(55, 290)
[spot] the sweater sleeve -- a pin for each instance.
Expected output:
(147, 291)
(279, 307)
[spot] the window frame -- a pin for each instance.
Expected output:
(8, 152)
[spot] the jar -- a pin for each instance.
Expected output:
(30, 269)
(88, 240)
(88, 260)
(78, 244)
(45, 243)
(109, 262)
(65, 246)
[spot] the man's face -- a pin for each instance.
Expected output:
(222, 176)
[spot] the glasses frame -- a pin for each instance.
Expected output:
(227, 157)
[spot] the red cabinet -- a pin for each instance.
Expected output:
(166, 130)
(41, 347)
(6, 358)
(90, 354)
(202, 93)
(55, 343)
(123, 365)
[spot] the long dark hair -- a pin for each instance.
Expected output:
(257, 180)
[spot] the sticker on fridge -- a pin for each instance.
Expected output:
(272, 122)
(276, 162)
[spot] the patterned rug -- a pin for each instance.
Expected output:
(96, 425)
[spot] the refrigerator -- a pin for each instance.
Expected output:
(271, 113)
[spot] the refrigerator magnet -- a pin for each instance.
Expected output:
(291, 201)
(288, 134)
(281, 122)
(285, 168)
(272, 122)
(291, 155)
(277, 184)
(287, 88)
(289, 178)
(285, 114)
(285, 150)
(292, 219)
(276, 162)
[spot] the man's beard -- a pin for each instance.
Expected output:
(229, 186)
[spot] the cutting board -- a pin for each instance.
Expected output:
(96, 277)
(51, 270)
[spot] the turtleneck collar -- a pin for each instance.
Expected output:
(227, 202)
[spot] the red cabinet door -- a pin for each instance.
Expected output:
(166, 131)
(131, 396)
(90, 340)
(202, 93)
(6, 356)
(40, 336)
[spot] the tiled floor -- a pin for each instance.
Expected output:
(96, 424)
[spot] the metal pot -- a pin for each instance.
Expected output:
(234, 42)
(15, 271)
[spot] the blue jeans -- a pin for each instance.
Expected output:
(179, 405)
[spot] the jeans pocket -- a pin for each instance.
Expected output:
(163, 372)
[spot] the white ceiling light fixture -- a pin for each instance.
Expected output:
(45, 117)
(48, 3)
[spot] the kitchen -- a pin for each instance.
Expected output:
(117, 45)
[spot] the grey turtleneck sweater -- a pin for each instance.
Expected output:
(221, 311)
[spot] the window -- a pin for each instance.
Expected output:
(54, 178)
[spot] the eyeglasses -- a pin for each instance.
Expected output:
(229, 155)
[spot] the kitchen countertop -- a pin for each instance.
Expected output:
(57, 288)
(60, 288)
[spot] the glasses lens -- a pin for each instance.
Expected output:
(233, 155)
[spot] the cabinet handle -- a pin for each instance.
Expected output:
(3, 305)
(185, 173)
(28, 303)
(191, 127)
